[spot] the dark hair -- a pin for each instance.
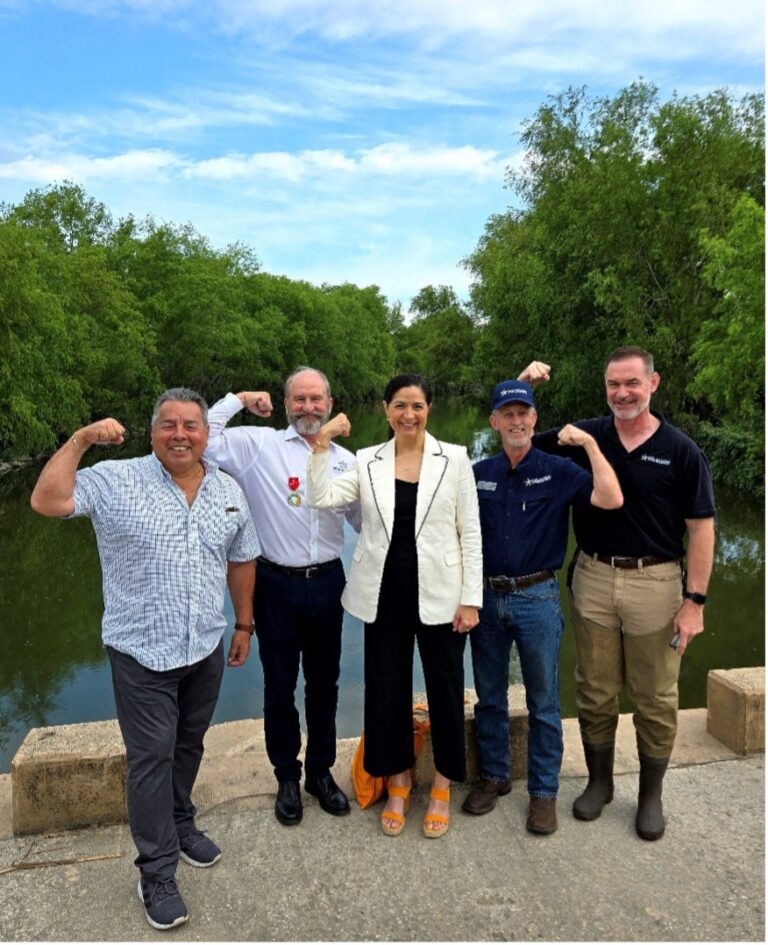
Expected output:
(183, 395)
(407, 380)
(631, 351)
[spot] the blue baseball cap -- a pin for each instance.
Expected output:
(508, 392)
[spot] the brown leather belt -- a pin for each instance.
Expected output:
(506, 585)
(630, 564)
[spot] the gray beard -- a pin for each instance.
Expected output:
(308, 424)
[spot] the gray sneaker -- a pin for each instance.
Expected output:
(163, 905)
(198, 849)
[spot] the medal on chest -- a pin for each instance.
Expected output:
(293, 497)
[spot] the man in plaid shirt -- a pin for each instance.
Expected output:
(172, 531)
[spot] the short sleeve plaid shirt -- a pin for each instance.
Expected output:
(164, 562)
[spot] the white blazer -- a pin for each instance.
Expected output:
(448, 542)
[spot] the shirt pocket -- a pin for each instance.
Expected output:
(218, 528)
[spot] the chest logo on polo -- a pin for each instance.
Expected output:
(536, 482)
(645, 458)
(487, 486)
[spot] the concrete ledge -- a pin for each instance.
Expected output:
(69, 776)
(73, 776)
(518, 738)
(736, 708)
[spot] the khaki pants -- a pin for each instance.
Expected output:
(622, 625)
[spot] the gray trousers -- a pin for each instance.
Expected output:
(163, 717)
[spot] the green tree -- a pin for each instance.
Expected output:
(41, 396)
(605, 248)
(729, 352)
(439, 342)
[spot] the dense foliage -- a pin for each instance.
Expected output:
(641, 223)
(98, 317)
(638, 222)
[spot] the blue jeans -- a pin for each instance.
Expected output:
(533, 620)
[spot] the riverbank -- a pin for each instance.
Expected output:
(332, 879)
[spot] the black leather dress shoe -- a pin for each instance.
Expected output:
(332, 799)
(288, 809)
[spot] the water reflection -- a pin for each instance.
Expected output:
(54, 669)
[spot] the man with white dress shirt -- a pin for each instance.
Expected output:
(297, 603)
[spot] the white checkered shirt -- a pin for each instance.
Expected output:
(164, 562)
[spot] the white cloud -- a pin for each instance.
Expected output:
(432, 23)
(131, 166)
(394, 160)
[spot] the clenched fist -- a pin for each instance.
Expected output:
(107, 432)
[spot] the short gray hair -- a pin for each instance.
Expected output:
(300, 370)
(185, 396)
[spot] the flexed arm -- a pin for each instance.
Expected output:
(537, 372)
(606, 491)
(234, 450)
(53, 492)
(322, 491)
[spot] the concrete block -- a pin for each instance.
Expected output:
(69, 776)
(518, 737)
(736, 708)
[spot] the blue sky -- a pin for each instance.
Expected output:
(343, 140)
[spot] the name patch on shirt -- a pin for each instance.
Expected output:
(536, 482)
(488, 486)
(655, 459)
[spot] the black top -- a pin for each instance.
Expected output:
(665, 480)
(402, 548)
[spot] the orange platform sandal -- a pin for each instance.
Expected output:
(396, 790)
(437, 794)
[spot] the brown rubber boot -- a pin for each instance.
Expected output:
(649, 822)
(542, 815)
(599, 790)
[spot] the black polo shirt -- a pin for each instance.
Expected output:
(524, 511)
(665, 480)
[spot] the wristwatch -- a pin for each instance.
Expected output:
(248, 627)
(695, 597)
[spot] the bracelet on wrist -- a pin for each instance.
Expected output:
(76, 444)
(245, 627)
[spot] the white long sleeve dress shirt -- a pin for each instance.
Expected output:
(271, 467)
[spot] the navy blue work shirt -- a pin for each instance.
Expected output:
(524, 511)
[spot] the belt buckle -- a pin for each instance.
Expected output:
(615, 558)
(308, 571)
(506, 585)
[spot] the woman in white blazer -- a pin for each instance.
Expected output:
(416, 574)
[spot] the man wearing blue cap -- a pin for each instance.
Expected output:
(524, 499)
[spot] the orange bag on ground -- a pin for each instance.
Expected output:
(368, 789)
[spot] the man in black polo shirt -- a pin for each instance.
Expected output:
(635, 609)
(524, 500)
